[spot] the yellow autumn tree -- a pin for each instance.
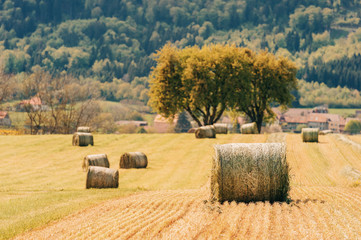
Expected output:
(206, 81)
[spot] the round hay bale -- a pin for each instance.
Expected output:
(101, 177)
(221, 128)
(246, 172)
(83, 129)
(310, 134)
(133, 160)
(206, 132)
(249, 128)
(83, 139)
(192, 130)
(100, 160)
(325, 132)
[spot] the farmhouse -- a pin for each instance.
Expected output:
(5, 119)
(164, 125)
(35, 102)
(315, 118)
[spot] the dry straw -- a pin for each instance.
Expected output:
(101, 177)
(310, 134)
(100, 160)
(83, 129)
(206, 132)
(83, 139)
(133, 160)
(246, 172)
(249, 128)
(221, 128)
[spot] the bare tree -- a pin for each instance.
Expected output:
(34, 87)
(67, 103)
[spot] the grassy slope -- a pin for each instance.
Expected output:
(345, 112)
(42, 180)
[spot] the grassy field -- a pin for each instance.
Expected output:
(42, 181)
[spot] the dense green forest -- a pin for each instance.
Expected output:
(342, 72)
(112, 41)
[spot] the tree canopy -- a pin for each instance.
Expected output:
(270, 81)
(206, 81)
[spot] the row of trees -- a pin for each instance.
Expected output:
(310, 94)
(206, 81)
(65, 104)
(57, 104)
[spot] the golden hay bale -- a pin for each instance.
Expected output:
(221, 128)
(83, 139)
(101, 177)
(325, 132)
(100, 160)
(249, 128)
(83, 129)
(133, 160)
(206, 132)
(192, 130)
(310, 134)
(246, 172)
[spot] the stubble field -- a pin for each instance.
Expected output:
(43, 188)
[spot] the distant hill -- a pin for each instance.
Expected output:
(115, 39)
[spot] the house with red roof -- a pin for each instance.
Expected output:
(319, 118)
(164, 125)
(5, 119)
(35, 102)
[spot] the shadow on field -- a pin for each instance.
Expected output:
(219, 207)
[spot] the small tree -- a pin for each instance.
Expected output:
(353, 127)
(183, 125)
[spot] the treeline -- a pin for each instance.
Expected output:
(115, 39)
(59, 103)
(311, 94)
(345, 72)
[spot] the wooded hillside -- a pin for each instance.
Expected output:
(115, 39)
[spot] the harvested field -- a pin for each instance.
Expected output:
(324, 199)
(314, 213)
(33, 195)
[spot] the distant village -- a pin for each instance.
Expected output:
(290, 120)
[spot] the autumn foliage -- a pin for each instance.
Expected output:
(206, 81)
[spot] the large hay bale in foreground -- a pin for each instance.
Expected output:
(83, 129)
(101, 177)
(221, 128)
(246, 172)
(100, 160)
(310, 134)
(83, 139)
(249, 128)
(206, 132)
(133, 160)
